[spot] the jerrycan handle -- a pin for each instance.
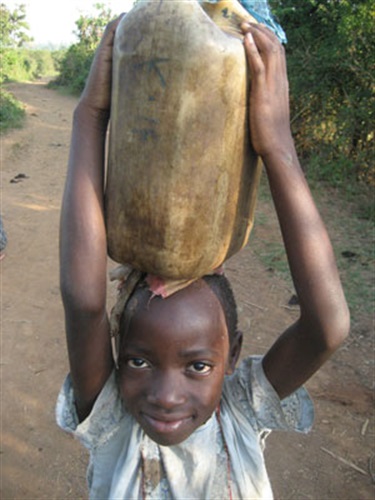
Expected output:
(228, 15)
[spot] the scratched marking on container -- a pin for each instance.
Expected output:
(151, 120)
(149, 132)
(145, 133)
(152, 67)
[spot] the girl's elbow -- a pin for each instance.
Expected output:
(328, 331)
(87, 303)
(336, 329)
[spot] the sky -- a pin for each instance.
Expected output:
(53, 22)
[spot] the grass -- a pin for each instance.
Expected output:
(349, 217)
(12, 112)
(61, 89)
(265, 240)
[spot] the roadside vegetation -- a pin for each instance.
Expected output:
(331, 56)
(12, 112)
(74, 64)
(331, 62)
(18, 63)
(348, 216)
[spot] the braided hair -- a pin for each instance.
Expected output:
(221, 287)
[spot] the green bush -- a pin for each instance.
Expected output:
(74, 67)
(20, 64)
(330, 53)
(11, 111)
(337, 171)
(45, 63)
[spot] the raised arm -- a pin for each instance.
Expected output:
(324, 318)
(83, 247)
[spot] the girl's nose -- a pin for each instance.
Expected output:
(167, 391)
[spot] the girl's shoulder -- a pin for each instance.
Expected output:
(104, 420)
(248, 393)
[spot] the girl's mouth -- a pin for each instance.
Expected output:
(165, 426)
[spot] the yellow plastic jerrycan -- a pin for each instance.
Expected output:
(182, 176)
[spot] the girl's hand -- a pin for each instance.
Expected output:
(96, 96)
(269, 95)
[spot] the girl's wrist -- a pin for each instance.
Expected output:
(88, 116)
(281, 152)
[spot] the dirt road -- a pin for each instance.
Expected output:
(37, 460)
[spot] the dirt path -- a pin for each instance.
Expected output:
(39, 461)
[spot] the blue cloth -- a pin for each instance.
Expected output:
(262, 13)
(3, 236)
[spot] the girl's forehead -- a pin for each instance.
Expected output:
(195, 295)
(187, 315)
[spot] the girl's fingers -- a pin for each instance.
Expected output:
(260, 29)
(263, 49)
(109, 33)
(253, 56)
(265, 40)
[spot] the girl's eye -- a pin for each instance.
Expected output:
(137, 363)
(200, 367)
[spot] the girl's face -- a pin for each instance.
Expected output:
(173, 361)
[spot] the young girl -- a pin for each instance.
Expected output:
(176, 420)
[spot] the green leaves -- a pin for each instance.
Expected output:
(331, 62)
(13, 26)
(91, 28)
(75, 65)
(11, 111)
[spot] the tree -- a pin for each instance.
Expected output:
(91, 28)
(75, 64)
(330, 59)
(13, 26)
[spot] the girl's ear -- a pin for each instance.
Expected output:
(234, 352)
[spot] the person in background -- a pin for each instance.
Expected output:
(3, 239)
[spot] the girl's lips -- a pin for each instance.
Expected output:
(165, 426)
